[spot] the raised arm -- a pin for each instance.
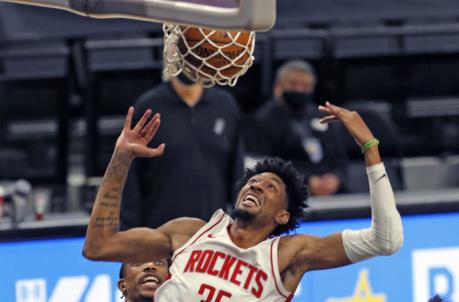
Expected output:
(104, 241)
(384, 237)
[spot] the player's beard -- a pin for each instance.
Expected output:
(242, 214)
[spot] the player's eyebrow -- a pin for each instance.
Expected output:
(276, 180)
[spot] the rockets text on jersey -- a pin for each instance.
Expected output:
(211, 268)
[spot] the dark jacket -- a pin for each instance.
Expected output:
(203, 159)
(273, 134)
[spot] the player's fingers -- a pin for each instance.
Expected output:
(329, 119)
(340, 112)
(153, 129)
(157, 151)
(128, 120)
(142, 121)
(149, 125)
(144, 151)
(324, 109)
(333, 108)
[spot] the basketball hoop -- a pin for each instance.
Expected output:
(180, 58)
(246, 15)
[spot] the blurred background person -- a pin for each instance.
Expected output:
(138, 281)
(201, 128)
(437, 298)
(288, 126)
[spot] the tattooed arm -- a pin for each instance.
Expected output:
(103, 239)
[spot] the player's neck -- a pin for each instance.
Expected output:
(190, 94)
(247, 234)
(141, 299)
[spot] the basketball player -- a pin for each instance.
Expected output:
(139, 281)
(437, 298)
(240, 258)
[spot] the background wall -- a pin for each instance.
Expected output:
(54, 271)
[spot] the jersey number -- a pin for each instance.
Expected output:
(211, 293)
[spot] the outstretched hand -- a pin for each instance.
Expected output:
(135, 140)
(350, 119)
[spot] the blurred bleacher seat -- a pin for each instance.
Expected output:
(431, 126)
(33, 96)
(296, 43)
(119, 70)
(431, 38)
(365, 42)
(377, 115)
(427, 173)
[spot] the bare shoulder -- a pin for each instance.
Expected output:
(180, 230)
(293, 244)
(184, 224)
(297, 237)
(289, 252)
(307, 252)
(296, 242)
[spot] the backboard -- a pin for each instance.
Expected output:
(237, 15)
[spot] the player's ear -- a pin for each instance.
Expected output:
(122, 286)
(283, 217)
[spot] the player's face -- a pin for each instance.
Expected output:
(264, 195)
(142, 279)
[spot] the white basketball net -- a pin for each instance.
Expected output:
(175, 62)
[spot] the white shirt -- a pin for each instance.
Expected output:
(211, 268)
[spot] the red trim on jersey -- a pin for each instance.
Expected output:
(274, 275)
(196, 239)
(289, 299)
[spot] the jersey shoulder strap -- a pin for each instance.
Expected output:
(273, 255)
(216, 219)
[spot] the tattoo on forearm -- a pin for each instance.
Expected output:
(109, 195)
(113, 225)
(108, 200)
(111, 199)
(111, 220)
(116, 169)
(107, 204)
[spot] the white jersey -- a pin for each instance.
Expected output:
(211, 268)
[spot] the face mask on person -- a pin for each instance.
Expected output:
(297, 100)
(185, 80)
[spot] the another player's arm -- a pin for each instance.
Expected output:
(103, 239)
(384, 237)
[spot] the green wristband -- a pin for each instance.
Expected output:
(372, 142)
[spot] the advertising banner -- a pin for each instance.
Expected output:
(428, 264)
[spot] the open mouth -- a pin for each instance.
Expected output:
(251, 200)
(150, 280)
